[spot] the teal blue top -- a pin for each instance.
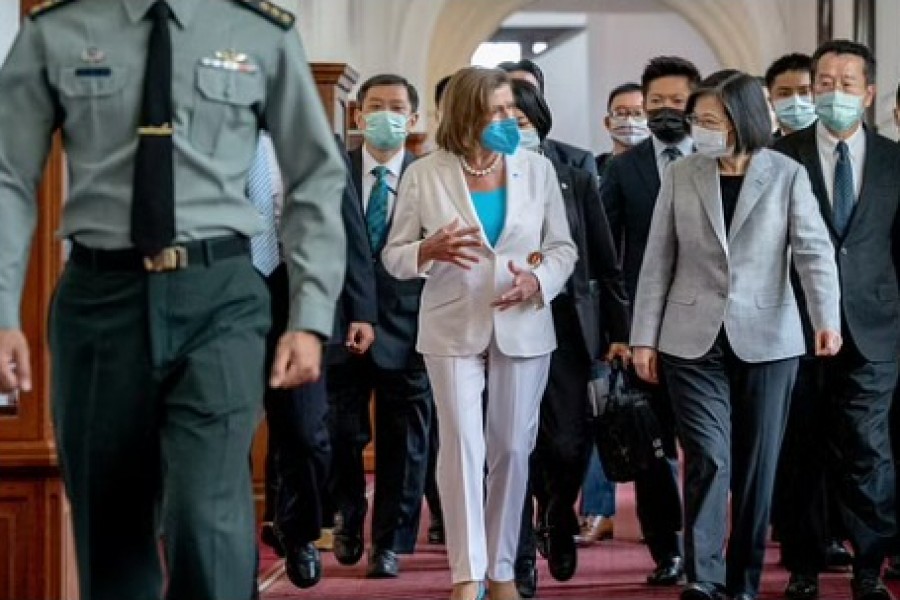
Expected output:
(491, 210)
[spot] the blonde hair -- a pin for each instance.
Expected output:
(466, 108)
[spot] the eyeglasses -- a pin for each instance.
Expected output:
(624, 113)
(707, 122)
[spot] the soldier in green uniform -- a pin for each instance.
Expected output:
(158, 324)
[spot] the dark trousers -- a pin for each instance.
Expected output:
(805, 509)
(402, 420)
(432, 496)
(156, 388)
(299, 451)
(731, 417)
(559, 458)
(852, 450)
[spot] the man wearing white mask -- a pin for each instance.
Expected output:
(625, 121)
(392, 369)
(855, 175)
(789, 81)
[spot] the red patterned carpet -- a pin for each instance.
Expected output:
(611, 570)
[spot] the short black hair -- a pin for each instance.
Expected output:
(794, 61)
(745, 104)
(439, 88)
(388, 79)
(625, 88)
(531, 101)
(669, 66)
(847, 47)
(527, 65)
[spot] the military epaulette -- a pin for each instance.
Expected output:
(270, 12)
(44, 7)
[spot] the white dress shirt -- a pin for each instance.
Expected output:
(394, 167)
(827, 145)
(662, 161)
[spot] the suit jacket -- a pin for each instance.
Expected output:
(398, 301)
(456, 318)
(560, 152)
(595, 287)
(629, 189)
(358, 301)
(696, 278)
(869, 254)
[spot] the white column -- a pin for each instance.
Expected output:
(887, 53)
(9, 25)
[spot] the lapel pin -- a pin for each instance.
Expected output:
(93, 55)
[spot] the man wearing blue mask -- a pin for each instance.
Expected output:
(789, 81)
(392, 369)
(855, 175)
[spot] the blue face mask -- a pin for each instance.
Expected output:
(839, 112)
(796, 112)
(529, 140)
(385, 130)
(501, 136)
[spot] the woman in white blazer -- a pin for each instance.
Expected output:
(715, 300)
(485, 225)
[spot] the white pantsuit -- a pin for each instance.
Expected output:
(468, 344)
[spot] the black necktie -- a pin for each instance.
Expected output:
(672, 153)
(153, 203)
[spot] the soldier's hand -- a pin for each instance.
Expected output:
(298, 360)
(15, 364)
(359, 337)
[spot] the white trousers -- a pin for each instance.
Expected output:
(482, 536)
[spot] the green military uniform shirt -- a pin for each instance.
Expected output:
(238, 66)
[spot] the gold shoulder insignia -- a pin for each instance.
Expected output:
(44, 7)
(270, 11)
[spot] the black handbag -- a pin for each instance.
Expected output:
(625, 428)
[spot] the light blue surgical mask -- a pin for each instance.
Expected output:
(529, 139)
(839, 111)
(711, 142)
(386, 130)
(501, 136)
(796, 112)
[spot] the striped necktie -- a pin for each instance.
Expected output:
(263, 246)
(844, 194)
(377, 210)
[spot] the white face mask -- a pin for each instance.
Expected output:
(710, 142)
(628, 131)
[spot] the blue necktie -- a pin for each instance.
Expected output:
(263, 246)
(844, 194)
(377, 210)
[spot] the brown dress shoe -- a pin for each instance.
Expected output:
(595, 529)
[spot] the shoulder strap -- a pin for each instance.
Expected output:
(270, 12)
(45, 7)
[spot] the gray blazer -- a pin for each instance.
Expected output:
(696, 278)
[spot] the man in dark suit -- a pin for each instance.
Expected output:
(855, 175)
(556, 151)
(629, 192)
(393, 370)
(299, 450)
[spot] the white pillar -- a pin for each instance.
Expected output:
(9, 25)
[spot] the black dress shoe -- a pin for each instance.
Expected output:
(870, 588)
(383, 564)
(268, 537)
(526, 575)
(667, 572)
(802, 587)
(303, 565)
(701, 591)
(837, 556)
(436, 532)
(744, 596)
(348, 544)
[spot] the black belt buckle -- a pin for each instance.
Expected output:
(172, 258)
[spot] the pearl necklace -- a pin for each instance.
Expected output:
(481, 172)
